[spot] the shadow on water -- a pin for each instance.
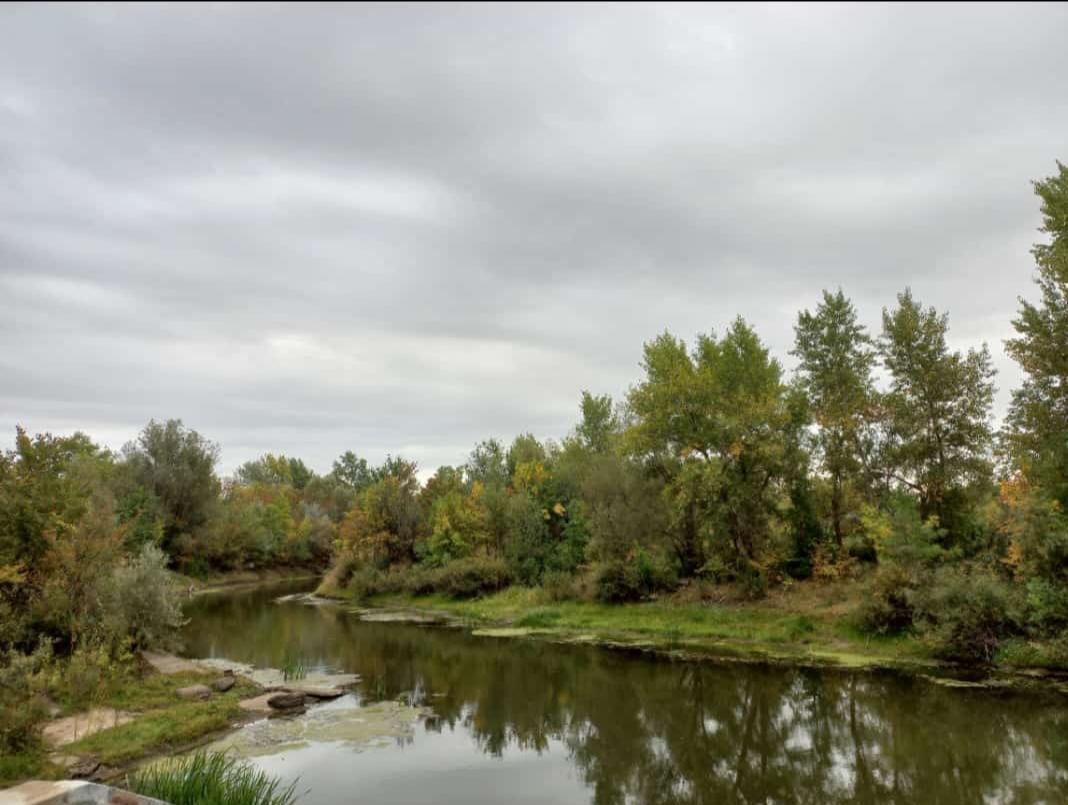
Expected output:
(529, 721)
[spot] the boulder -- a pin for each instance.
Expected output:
(224, 683)
(195, 692)
(286, 701)
(83, 768)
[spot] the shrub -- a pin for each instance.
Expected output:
(210, 778)
(888, 607)
(144, 601)
(965, 616)
(339, 575)
(21, 710)
(558, 585)
(1047, 606)
(471, 577)
(634, 578)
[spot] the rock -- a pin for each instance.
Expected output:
(195, 692)
(290, 713)
(257, 704)
(83, 769)
(104, 773)
(321, 693)
(286, 701)
(224, 684)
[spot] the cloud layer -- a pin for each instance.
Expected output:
(406, 228)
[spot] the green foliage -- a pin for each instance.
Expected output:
(966, 615)
(22, 710)
(633, 578)
(716, 423)
(937, 409)
(210, 778)
(888, 608)
(472, 577)
(836, 358)
(177, 465)
(1036, 434)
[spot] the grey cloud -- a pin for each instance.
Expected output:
(405, 228)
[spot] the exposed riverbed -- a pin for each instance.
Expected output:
(444, 716)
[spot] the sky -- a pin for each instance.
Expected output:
(403, 229)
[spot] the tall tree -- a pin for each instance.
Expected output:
(353, 471)
(937, 409)
(836, 357)
(714, 423)
(178, 465)
(1037, 426)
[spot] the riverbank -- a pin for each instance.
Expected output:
(148, 715)
(808, 625)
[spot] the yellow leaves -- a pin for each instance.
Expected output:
(530, 476)
(1013, 559)
(559, 510)
(15, 575)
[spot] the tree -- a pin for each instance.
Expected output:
(353, 471)
(275, 470)
(178, 465)
(714, 424)
(599, 423)
(836, 357)
(1037, 426)
(487, 464)
(937, 409)
(382, 528)
(525, 449)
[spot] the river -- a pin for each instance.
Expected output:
(443, 716)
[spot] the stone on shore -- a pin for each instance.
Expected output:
(286, 700)
(195, 692)
(224, 683)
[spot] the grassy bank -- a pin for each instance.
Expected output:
(162, 722)
(808, 624)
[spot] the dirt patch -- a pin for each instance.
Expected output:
(168, 663)
(63, 731)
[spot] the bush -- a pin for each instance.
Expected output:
(559, 586)
(144, 601)
(888, 607)
(339, 575)
(1047, 607)
(472, 577)
(21, 709)
(965, 616)
(633, 578)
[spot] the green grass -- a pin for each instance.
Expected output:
(163, 721)
(818, 632)
(210, 778)
(293, 669)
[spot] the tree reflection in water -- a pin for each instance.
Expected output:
(655, 731)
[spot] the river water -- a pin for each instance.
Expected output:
(442, 716)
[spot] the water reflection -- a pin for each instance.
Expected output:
(633, 729)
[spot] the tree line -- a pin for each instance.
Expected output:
(876, 459)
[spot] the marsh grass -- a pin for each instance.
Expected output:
(210, 778)
(293, 669)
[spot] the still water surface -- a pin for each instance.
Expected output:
(489, 720)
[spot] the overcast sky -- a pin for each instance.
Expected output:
(404, 229)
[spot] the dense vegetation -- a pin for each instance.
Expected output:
(877, 459)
